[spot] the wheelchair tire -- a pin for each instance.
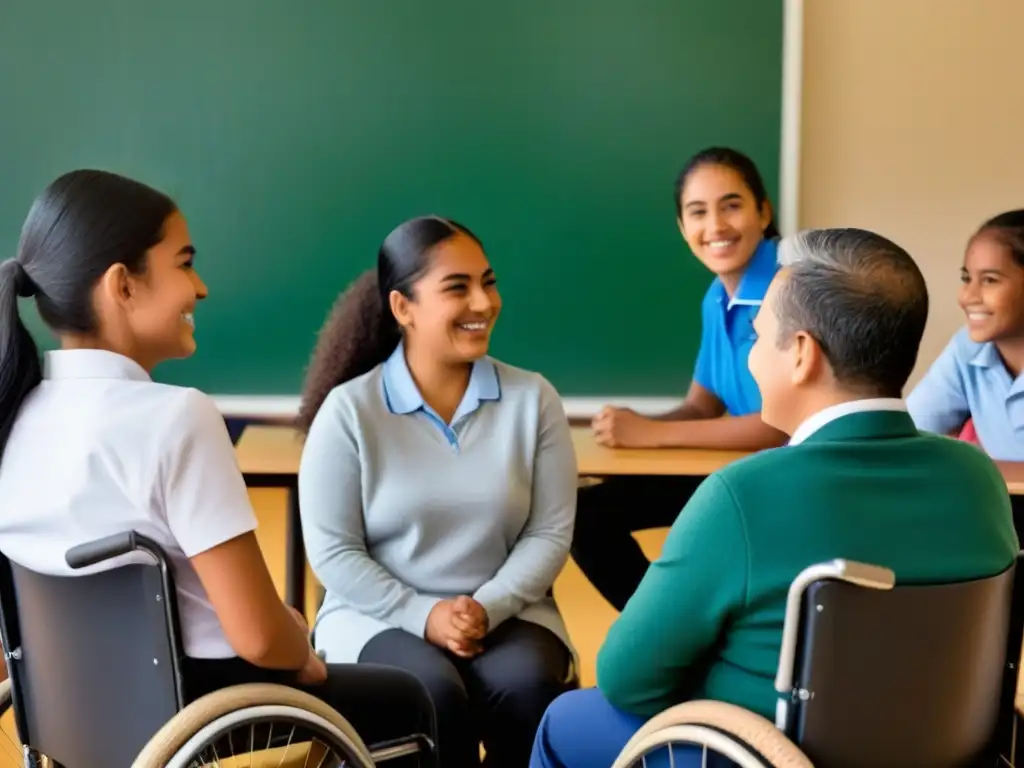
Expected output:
(746, 738)
(201, 722)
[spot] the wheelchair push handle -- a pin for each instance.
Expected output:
(115, 545)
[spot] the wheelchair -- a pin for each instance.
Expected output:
(870, 675)
(95, 680)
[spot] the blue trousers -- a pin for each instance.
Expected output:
(580, 729)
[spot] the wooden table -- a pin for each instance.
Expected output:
(594, 460)
(269, 458)
(1013, 473)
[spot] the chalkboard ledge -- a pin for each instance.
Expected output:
(284, 407)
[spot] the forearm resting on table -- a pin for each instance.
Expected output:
(700, 403)
(685, 412)
(728, 433)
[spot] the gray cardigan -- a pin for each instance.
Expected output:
(400, 510)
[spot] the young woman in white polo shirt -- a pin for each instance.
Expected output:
(438, 493)
(92, 446)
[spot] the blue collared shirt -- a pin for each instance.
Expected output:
(727, 334)
(403, 396)
(970, 380)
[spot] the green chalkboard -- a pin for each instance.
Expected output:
(294, 135)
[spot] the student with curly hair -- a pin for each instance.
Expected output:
(438, 491)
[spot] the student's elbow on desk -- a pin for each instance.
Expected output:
(729, 433)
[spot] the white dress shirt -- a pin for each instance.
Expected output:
(833, 412)
(98, 448)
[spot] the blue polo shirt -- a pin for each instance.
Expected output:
(727, 334)
(970, 380)
(403, 396)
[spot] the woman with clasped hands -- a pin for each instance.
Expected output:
(438, 493)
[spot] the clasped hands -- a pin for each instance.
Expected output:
(458, 625)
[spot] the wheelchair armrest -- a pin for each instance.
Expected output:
(98, 550)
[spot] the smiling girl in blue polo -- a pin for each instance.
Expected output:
(725, 217)
(980, 373)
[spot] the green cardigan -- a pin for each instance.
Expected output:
(706, 621)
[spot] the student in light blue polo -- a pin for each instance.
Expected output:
(725, 217)
(980, 373)
(438, 492)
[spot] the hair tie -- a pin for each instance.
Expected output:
(23, 284)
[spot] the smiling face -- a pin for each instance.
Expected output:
(721, 221)
(454, 305)
(992, 290)
(151, 315)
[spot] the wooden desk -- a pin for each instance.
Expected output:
(270, 451)
(269, 458)
(1013, 473)
(270, 455)
(594, 460)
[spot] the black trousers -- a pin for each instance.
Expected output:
(497, 698)
(383, 704)
(606, 517)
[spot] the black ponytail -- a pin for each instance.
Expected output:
(20, 368)
(81, 225)
(360, 332)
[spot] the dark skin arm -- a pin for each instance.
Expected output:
(699, 422)
(700, 403)
(258, 625)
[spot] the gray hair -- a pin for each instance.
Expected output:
(861, 297)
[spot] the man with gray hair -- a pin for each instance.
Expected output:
(837, 338)
(844, 327)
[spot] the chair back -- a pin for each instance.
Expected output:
(93, 659)
(916, 676)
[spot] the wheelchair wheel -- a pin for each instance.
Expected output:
(270, 724)
(715, 728)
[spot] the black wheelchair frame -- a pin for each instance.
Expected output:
(71, 702)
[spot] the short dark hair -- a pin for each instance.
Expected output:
(1008, 229)
(862, 298)
(360, 332)
(80, 225)
(737, 161)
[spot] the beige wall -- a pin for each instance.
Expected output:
(913, 126)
